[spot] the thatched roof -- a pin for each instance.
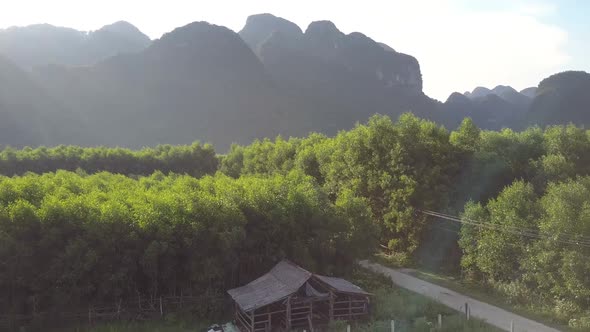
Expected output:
(282, 280)
(342, 285)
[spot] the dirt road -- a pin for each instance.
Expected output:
(491, 314)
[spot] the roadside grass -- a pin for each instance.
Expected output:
(534, 311)
(409, 310)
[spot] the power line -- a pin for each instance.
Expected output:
(526, 231)
(514, 230)
(532, 231)
(455, 231)
(510, 229)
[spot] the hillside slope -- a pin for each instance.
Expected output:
(199, 81)
(562, 98)
(28, 115)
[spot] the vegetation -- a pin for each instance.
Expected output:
(527, 183)
(196, 160)
(69, 240)
(72, 239)
(542, 261)
(410, 311)
(487, 294)
(151, 326)
(394, 168)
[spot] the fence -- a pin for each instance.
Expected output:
(136, 309)
(438, 325)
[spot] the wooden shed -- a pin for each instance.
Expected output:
(289, 296)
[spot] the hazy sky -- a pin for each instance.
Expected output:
(460, 44)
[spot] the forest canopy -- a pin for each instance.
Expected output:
(69, 239)
(195, 159)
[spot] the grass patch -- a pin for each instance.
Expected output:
(147, 326)
(410, 311)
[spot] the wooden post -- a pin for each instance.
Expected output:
(119, 309)
(236, 315)
(331, 311)
(350, 308)
(348, 328)
(467, 311)
(512, 325)
(439, 321)
(392, 325)
(288, 318)
(161, 311)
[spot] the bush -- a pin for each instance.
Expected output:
(582, 323)
(516, 292)
(565, 309)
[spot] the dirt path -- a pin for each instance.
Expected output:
(491, 314)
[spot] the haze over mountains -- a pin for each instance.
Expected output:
(205, 82)
(495, 108)
(43, 44)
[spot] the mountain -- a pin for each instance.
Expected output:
(28, 115)
(259, 28)
(206, 82)
(529, 92)
(272, 37)
(562, 98)
(43, 44)
(512, 96)
(479, 92)
(488, 112)
(505, 92)
(495, 109)
(198, 82)
(335, 79)
(559, 99)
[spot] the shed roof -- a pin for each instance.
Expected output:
(282, 280)
(342, 285)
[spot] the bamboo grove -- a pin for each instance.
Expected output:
(83, 225)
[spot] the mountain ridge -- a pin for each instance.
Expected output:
(206, 82)
(45, 44)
